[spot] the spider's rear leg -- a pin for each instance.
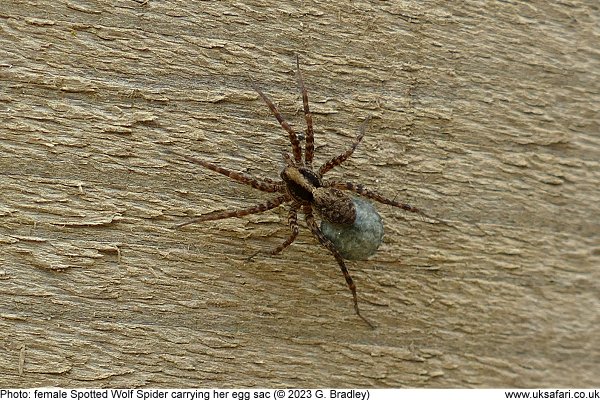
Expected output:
(211, 216)
(310, 221)
(310, 136)
(334, 162)
(360, 189)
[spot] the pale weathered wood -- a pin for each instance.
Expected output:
(485, 115)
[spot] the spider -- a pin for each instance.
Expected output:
(303, 188)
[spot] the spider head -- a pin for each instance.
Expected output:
(300, 183)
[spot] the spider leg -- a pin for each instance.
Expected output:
(360, 189)
(329, 165)
(222, 214)
(293, 223)
(293, 137)
(310, 136)
(310, 221)
(263, 184)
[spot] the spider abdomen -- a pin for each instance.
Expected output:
(360, 240)
(334, 206)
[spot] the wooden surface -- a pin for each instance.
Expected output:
(485, 115)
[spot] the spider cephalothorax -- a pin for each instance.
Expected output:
(304, 189)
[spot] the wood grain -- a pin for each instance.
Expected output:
(485, 114)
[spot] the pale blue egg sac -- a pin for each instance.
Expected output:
(361, 239)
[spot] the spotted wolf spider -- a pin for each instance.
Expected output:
(304, 188)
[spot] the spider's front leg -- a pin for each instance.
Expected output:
(334, 162)
(297, 150)
(310, 135)
(310, 221)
